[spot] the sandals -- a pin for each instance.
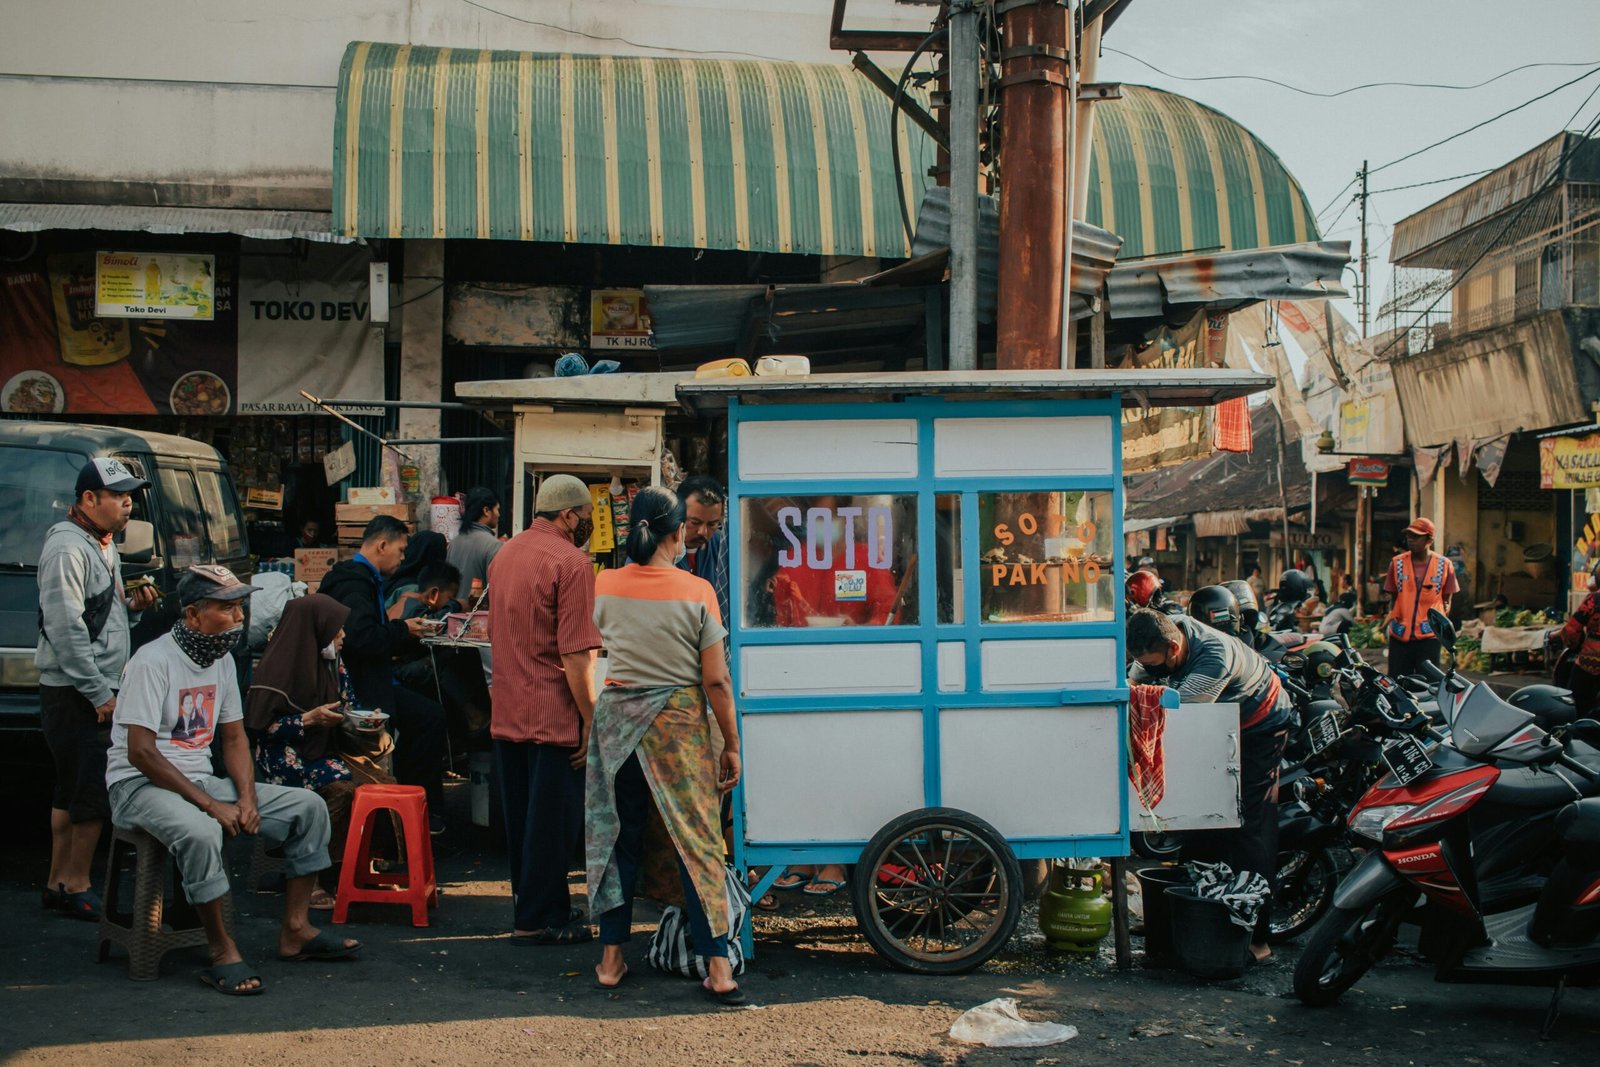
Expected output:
(322, 947)
(833, 887)
(85, 905)
(783, 885)
(768, 902)
(229, 979)
(50, 899)
(574, 933)
(612, 988)
(733, 998)
(322, 900)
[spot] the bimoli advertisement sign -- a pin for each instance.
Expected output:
(139, 285)
(1569, 462)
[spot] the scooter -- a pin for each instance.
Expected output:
(1438, 820)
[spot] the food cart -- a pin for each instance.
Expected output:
(927, 630)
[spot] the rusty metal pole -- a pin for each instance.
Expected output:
(1033, 201)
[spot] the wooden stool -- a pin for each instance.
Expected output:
(415, 885)
(144, 929)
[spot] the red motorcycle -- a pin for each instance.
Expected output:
(1453, 825)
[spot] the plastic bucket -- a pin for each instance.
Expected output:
(445, 517)
(1209, 944)
(1153, 884)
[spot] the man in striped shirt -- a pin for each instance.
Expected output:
(542, 632)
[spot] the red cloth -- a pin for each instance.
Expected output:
(1147, 722)
(1231, 426)
(541, 607)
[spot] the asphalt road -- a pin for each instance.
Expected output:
(457, 992)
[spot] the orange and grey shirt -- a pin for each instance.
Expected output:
(655, 621)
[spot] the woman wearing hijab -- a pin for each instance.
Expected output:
(423, 549)
(650, 758)
(293, 711)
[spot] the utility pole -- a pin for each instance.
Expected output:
(1366, 286)
(963, 65)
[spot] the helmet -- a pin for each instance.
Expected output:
(1294, 586)
(1143, 589)
(1217, 608)
(1322, 659)
(1249, 606)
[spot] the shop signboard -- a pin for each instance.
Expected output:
(339, 463)
(1569, 462)
(515, 316)
(154, 285)
(619, 318)
(1373, 472)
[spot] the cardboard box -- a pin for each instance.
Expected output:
(365, 513)
(311, 564)
(312, 587)
(373, 494)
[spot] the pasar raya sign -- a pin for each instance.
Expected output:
(1569, 462)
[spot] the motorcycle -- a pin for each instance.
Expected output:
(1491, 841)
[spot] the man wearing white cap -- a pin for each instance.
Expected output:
(541, 626)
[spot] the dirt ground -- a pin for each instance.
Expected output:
(458, 992)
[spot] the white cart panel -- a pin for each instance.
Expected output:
(952, 666)
(831, 449)
(800, 670)
(1021, 447)
(1201, 745)
(1054, 663)
(1034, 772)
(828, 775)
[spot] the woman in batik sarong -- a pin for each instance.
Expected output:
(654, 786)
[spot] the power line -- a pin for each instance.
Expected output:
(1433, 181)
(618, 40)
(1341, 92)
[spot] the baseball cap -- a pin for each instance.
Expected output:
(105, 472)
(560, 492)
(1421, 526)
(210, 581)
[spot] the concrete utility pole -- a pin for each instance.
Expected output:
(964, 74)
(1035, 139)
(1366, 287)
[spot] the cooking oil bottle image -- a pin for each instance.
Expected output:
(152, 283)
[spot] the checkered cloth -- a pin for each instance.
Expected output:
(1147, 721)
(1231, 426)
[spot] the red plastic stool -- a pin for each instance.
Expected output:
(415, 885)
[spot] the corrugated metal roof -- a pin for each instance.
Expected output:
(1490, 195)
(265, 225)
(1224, 481)
(1226, 280)
(622, 150)
(1172, 176)
(809, 319)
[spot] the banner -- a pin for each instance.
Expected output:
(305, 323)
(1374, 472)
(1569, 462)
(1491, 457)
(144, 285)
(1428, 459)
(619, 318)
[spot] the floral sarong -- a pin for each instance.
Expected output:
(669, 730)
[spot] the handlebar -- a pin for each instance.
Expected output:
(1433, 670)
(1573, 765)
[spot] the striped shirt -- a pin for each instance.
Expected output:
(542, 609)
(655, 621)
(1219, 669)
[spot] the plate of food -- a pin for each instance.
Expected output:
(33, 392)
(200, 393)
(366, 721)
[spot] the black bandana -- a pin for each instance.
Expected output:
(204, 649)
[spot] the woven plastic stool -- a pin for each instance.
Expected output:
(415, 885)
(145, 929)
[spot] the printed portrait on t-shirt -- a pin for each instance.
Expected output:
(197, 717)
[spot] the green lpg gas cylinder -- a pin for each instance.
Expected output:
(1074, 914)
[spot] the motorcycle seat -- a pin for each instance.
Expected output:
(1522, 786)
(1579, 823)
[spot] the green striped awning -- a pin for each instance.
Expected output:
(621, 150)
(1172, 176)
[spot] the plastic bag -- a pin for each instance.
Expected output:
(997, 1025)
(266, 607)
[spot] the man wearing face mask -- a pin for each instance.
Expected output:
(161, 782)
(1207, 666)
(541, 626)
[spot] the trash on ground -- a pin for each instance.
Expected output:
(996, 1024)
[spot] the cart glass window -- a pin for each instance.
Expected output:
(829, 560)
(1046, 557)
(947, 513)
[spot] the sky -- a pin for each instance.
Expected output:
(1330, 46)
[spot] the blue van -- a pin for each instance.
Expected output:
(189, 514)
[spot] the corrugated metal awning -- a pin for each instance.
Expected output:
(620, 150)
(1172, 176)
(1226, 280)
(265, 225)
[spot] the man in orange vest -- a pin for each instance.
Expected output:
(1419, 580)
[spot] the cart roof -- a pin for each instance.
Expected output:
(1138, 388)
(649, 389)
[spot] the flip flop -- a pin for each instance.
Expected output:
(732, 998)
(768, 902)
(322, 947)
(227, 978)
(783, 886)
(325, 902)
(573, 933)
(85, 905)
(613, 987)
(50, 899)
(834, 887)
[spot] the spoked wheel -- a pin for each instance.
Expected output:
(937, 891)
(1344, 946)
(1158, 845)
(1303, 890)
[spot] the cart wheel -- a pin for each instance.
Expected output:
(937, 891)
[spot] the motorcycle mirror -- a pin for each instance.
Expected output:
(1443, 627)
(1294, 661)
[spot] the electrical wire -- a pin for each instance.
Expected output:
(894, 131)
(618, 40)
(1433, 181)
(1341, 92)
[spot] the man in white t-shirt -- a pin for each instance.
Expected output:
(179, 693)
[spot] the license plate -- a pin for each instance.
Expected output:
(1406, 759)
(1323, 731)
